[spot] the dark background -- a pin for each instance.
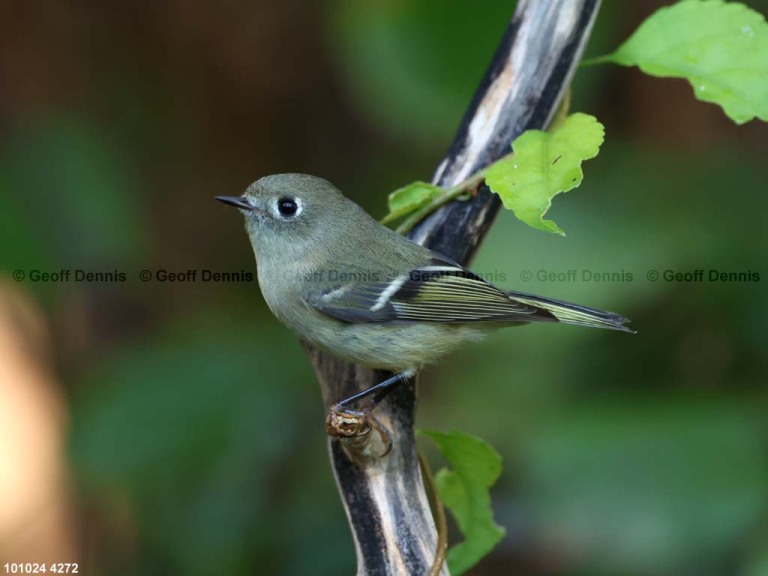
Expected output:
(175, 428)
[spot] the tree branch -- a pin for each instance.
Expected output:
(381, 486)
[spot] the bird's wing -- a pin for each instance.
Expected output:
(440, 292)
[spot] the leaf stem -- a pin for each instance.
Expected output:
(449, 194)
(562, 110)
(604, 59)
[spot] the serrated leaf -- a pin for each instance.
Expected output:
(410, 198)
(721, 48)
(464, 489)
(543, 165)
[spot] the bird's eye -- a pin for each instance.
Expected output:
(287, 206)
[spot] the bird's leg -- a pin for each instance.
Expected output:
(379, 391)
(354, 427)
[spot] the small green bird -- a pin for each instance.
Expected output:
(355, 288)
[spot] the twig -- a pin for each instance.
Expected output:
(453, 193)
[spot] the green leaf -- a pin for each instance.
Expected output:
(543, 165)
(721, 48)
(464, 491)
(410, 198)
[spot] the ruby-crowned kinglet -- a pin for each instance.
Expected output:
(359, 290)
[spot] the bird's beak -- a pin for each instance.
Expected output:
(237, 202)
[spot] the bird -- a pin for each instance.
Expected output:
(353, 287)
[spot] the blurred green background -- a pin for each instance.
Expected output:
(188, 426)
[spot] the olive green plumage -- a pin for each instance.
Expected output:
(352, 286)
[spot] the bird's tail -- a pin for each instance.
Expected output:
(576, 314)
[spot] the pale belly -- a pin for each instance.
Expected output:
(393, 347)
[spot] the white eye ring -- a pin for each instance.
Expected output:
(287, 207)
